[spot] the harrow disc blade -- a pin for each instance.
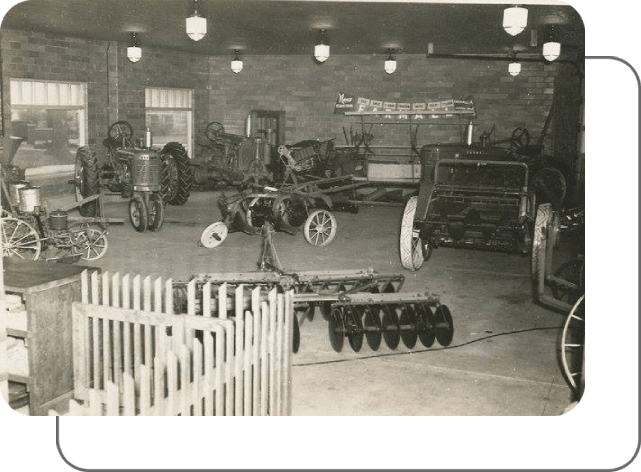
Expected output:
(444, 327)
(409, 328)
(372, 323)
(354, 327)
(391, 327)
(336, 329)
(296, 335)
(425, 325)
(325, 309)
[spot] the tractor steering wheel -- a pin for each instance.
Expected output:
(520, 138)
(214, 129)
(120, 130)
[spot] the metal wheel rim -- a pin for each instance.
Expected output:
(88, 241)
(320, 228)
(214, 235)
(410, 243)
(19, 239)
(575, 321)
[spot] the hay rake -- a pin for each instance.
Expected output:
(357, 304)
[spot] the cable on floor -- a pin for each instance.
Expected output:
(445, 348)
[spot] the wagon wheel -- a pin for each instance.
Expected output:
(372, 323)
(443, 326)
(425, 320)
(19, 239)
(411, 246)
(539, 241)
(214, 130)
(156, 210)
(138, 214)
(90, 244)
(214, 235)
(391, 327)
(354, 327)
(320, 228)
(520, 138)
(573, 272)
(121, 130)
(573, 347)
(336, 329)
(291, 211)
(409, 326)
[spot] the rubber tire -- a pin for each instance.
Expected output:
(87, 180)
(156, 212)
(137, 203)
(175, 174)
(411, 254)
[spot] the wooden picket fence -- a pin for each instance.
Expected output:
(134, 356)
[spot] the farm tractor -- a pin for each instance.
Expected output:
(149, 177)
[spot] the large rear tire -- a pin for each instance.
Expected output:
(87, 180)
(175, 174)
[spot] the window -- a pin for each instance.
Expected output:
(51, 118)
(169, 116)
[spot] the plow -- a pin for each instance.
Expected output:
(358, 305)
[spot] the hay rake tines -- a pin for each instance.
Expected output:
(392, 317)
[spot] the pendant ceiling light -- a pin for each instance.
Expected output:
(551, 49)
(196, 25)
(390, 64)
(134, 52)
(321, 50)
(514, 68)
(236, 64)
(514, 20)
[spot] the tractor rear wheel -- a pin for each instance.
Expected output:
(86, 179)
(175, 174)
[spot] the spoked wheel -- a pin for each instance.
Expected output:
(156, 212)
(410, 244)
(391, 327)
(425, 320)
(19, 239)
(573, 272)
(354, 327)
(90, 244)
(443, 325)
(409, 326)
(372, 327)
(138, 213)
(291, 211)
(320, 228)
(336, 329)
(214, 235)
(573, 347)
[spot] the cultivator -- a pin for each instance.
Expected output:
(357, 304)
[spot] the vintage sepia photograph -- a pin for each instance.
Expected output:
(292, 208)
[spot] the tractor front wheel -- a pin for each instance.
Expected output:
(156, 215)
(86, 179)
(138, 213)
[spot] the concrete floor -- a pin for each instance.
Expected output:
(503, 358)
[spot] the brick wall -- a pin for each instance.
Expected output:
(305, 90)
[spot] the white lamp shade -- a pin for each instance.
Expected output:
(321, 52)
(390, 66)
(514, 20)
(551, 50)
(514, 68)
(236, 65)
(134, 53)
(196, 27)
